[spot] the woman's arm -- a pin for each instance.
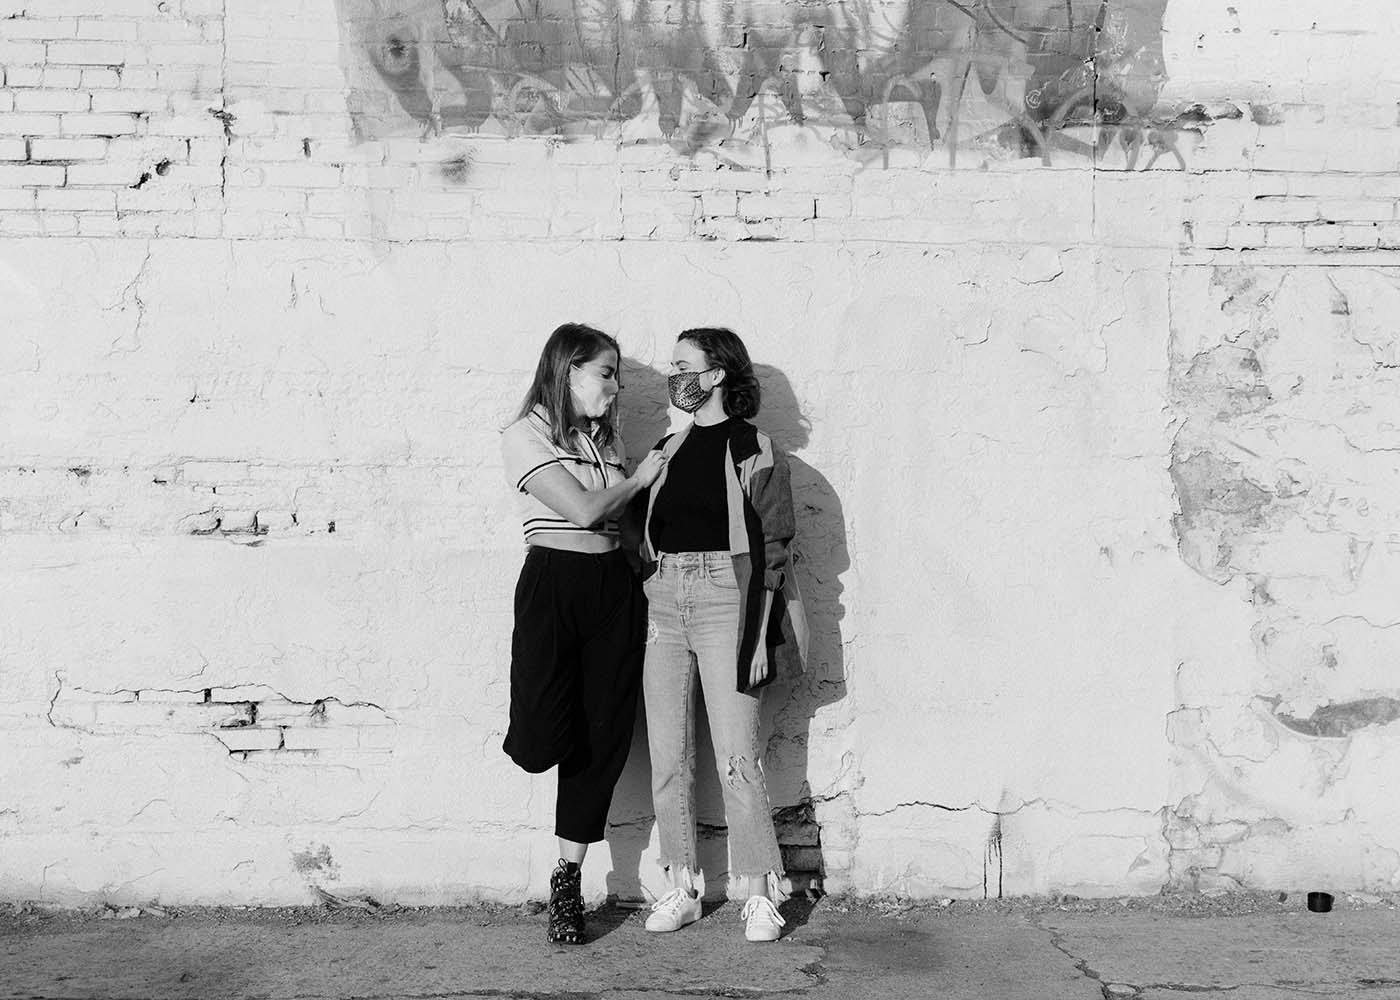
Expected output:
(770, 492)
(558, 490)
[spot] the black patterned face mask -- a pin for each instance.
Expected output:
(686, 394)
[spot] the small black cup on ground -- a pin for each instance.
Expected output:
(1320, 902)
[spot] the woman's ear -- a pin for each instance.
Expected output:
(718, 373)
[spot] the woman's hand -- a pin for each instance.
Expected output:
(758, 669)
(649, 468)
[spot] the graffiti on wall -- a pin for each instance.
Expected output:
(1046, 68)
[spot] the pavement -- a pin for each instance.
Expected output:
(1241, 947)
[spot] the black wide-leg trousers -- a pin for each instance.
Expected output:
(576, 667)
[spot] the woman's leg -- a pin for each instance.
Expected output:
(668, 685)
(734, 731)
(609, 678)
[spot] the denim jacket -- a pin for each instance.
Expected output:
(761, 530)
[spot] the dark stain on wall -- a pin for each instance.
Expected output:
(537, 65)
(1342, 718)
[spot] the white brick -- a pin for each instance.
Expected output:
(1322, 236)
(86, 53)
(213, 473)
(248, 739)
(22, 28)
(175, 718)
(1361, 237)
(51, 100)
(129, 101)
(107, 30)
(67, 149)
(1357, 211)
(1284, 236)
(22, 53)
(171, 31)
(98, 225)
(102, 174)
(170, 696)
(1279, 210)
(1246, 236)
(13, 123)
(98, 78)
(30, 176)
(318, 738)
(7, 101)
(304, 175)
(21, 224)
(23, 76)
(77, 200)
(17, 199)
(13, 149)
(63, 78)
(90, 124)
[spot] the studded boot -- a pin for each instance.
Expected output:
(566, 904)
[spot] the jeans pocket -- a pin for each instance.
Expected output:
(722, 576)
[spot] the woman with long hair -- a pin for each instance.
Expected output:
(576, 650)
(722, 601)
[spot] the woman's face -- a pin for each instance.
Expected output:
(687, 357)
(595, 384)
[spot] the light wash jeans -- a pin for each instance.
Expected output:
(693, 632)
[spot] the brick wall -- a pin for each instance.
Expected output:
(1090, 408)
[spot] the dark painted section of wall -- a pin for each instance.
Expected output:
(539, 65)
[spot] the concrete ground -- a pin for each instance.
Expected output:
(1245, 947)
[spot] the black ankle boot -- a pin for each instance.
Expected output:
(566, 904)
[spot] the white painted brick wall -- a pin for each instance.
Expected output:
(262, 325)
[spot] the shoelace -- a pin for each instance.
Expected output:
(673, 900)
(762, 907)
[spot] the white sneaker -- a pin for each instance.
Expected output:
(761, 919)
(673, 911)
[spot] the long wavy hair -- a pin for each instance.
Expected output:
(724, 349)
(570, 344)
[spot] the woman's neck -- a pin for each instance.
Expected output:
(712, 412)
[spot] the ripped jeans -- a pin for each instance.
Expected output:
(692, 634)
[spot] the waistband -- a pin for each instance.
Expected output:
(692, 560)
(568, 555)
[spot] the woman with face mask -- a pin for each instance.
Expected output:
(576, 650)
(722, 603)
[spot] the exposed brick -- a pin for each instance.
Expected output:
(248, 739)
(13, 149)
(320, 738)
(170, 717)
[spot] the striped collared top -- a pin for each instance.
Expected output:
(528, 451)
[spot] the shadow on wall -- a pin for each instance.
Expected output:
(791, 702)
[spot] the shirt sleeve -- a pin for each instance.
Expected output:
(526, 452)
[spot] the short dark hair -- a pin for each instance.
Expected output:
(723, 349)
(570, 344)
